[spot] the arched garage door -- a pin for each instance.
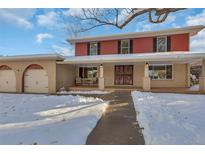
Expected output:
(7, 79)
(35, 80)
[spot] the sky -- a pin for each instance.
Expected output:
(41, 31)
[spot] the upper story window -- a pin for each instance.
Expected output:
(125, 46)
(162, 44)
(160, 72)
(93, 48)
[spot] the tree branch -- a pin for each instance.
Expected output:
(119, 17)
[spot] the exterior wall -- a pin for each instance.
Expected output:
(180, 78)
(143, 45)
(138, 74)
(109, 75)
(20, 66)
(180, 42)
(81, 49)
(65, 76)
(109, 47)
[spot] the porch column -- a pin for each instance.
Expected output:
(101, 80)
(202, 78)
(146, 79)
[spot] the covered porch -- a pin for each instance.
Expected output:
(103, 74)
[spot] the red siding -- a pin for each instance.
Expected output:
(108, 47)
(81, 49)
(143, 45)
(180, 42)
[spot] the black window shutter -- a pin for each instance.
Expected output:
(88, 48)
(168, 43)
(81, 72)
(131, 46)
(119, 47)
(154, 44)
(98, 48)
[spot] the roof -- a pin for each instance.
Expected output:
(192, 30)
(32, 57)
(126, 58)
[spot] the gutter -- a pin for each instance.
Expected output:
(160, 57)
(33, 57)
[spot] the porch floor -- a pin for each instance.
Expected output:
(129, 88)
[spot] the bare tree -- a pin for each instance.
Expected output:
(87, 19)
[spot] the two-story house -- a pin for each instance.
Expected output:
(153, 59)
(142, 59)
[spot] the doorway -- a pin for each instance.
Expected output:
(124, 75)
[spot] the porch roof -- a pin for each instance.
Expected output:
(180, 57)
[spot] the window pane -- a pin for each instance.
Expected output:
(119, 70)
(85, 74)
(88, 72)
(169, 71)
(161, 44)
(125, 51)
(94, 72)
(93, 48)
(160, 72)
(127, 69)
(125, 47)
(151, 72)
(125, 43)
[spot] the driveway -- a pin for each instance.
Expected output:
(118, 124)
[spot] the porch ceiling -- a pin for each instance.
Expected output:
(168, 57)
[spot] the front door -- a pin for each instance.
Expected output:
(124, 75)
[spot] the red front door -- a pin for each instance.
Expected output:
(124, 75)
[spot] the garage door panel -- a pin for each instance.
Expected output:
(36, 81)
(7, 81)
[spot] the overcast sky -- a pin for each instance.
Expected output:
(35, 31)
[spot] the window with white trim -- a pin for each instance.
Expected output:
(162, 44)
(93, 48)
(125, 46)
(160, 72)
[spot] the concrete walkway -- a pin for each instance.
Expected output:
(118, 125)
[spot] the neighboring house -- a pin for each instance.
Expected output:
(155, 59)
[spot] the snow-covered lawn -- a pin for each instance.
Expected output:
(41, 119)
(171, 118)
(195, 87)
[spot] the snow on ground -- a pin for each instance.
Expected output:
(194, 88)
(41, 119)
(171, 118)
(97, 92)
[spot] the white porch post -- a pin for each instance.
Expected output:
(202, 78)
(101, 80)
(146, 79)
